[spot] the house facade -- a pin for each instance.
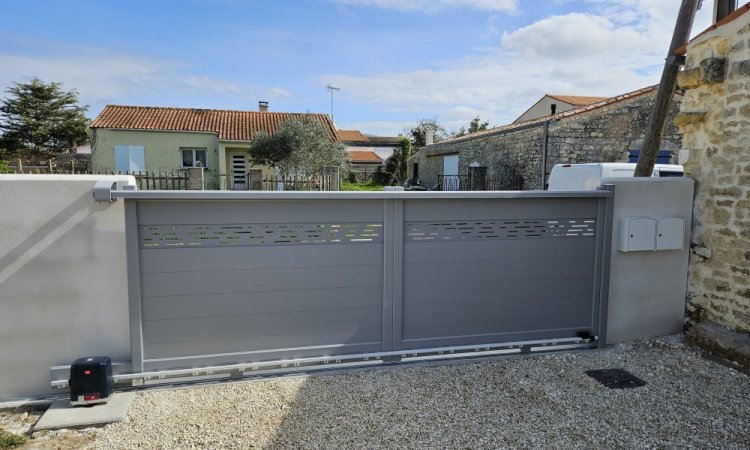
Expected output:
(715, 120)
(561, 103)
(520, 155)
(382, 146)
(141, 138)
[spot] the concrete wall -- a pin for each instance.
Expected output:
(647, 288)
(602, 135)
(63, 289)
(63, 286)
(715, 118)
(161, 150)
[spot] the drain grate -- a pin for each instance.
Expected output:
(616, 378)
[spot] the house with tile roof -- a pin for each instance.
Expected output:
(382, 146)
(364, 163)
(521, 154)
(561, 103)
(146, 138)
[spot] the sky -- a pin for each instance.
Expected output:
(394, 61)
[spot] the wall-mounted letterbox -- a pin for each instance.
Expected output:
(670, 233)
(649, 234)
(637, 234)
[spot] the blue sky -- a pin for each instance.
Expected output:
(395, 61)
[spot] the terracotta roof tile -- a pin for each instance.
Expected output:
(228, 125)
(351, 136)
(359, 156)
(562, 115)
(577, 100)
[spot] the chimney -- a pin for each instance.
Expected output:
(263, 106)
(429, 136)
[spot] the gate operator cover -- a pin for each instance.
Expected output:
(91, 380)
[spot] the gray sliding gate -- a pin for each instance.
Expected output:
(242, 277)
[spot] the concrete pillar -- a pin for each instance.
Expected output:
(195, 179)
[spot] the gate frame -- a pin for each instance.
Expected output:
(393, 226)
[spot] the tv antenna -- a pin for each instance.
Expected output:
(331, 89)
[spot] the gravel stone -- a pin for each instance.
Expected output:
(531, 402)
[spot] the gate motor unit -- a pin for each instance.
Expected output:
(91, 380)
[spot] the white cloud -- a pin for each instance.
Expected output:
(616, 47)
(208, 84)
(278, 92)
(104, 76)
(577, 35)
(433, 6)
(95, 73)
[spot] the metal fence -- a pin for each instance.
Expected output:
(252, 277)
(510, 181)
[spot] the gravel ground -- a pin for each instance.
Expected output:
(534, 402)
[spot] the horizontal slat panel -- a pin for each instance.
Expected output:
(214, 259)
(508, 316)
(260, 280)
(420, 252)
(520, 270)
(248, 211)
(194, 306)
(491, 209)
(292, 345)
(459, 291)
(277, 324)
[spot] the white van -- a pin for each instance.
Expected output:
(582, 177)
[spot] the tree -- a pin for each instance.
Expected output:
(397, 165)
(475, 125)
(42, 120)
(300, 148)
(419, 132)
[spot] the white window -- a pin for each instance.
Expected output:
(129, 158)
(194, 157)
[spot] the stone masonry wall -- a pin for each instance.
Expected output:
(601, 135)
(715, 120)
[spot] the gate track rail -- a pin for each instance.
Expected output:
(271, 368)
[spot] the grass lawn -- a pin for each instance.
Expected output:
(361, 186)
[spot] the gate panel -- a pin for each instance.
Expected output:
(229, 282)
(499, 272)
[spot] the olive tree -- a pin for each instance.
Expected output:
(299, 148)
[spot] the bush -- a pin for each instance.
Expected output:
(10, 440)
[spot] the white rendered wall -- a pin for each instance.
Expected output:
(63, 285)
(647, 289)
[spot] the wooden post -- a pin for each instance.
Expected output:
(20, 166)
(50, 166)
(256, 179)
(663, 101)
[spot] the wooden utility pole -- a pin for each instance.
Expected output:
(662, 103)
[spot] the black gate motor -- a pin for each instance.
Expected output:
(91, 380)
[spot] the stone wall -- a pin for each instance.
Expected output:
(715, 120)
(603, 134)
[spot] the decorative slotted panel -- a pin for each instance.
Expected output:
(499, 229)
(225, 235)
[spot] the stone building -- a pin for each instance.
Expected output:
(604, 131)
(715, 120)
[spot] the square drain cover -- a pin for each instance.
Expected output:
(616, 378)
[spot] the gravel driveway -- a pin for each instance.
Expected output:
(534, 402)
